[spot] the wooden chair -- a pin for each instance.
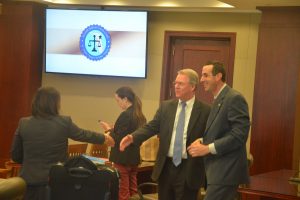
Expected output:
(77, 149)
(5, 173)
(11, 169)
(141, 196)
(14, 167)
(154, 196)
(99, 150)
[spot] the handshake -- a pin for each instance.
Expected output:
(109, 141)
(126, 141)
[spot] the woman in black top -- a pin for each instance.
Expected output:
(128, 121)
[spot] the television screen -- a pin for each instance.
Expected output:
(96, 42)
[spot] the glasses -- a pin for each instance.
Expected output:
(179, 84)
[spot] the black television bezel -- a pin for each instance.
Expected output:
(95, 9)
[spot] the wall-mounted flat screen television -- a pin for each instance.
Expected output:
(96, 42)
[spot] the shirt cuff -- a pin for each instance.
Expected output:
(212, 148)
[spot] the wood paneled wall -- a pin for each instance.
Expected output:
(21, 64)
(276, 93)
(275, 125)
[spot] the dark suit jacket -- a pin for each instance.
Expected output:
(162, 125)
(39, 143)
(227, 126)
(124, 125)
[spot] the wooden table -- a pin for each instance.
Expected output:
(146, 166)
(271, 185)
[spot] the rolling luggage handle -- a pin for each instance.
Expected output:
(80, 172)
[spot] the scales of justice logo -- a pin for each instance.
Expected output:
(95, 42)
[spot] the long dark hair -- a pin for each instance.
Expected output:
(46, 102)
(138, 115)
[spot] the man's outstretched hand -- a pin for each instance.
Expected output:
(125, 142)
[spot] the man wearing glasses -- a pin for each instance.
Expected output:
(177, 123)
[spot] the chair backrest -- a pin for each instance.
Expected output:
(12, 188)
(99, 150)
(13, 167)
(77, 149)
(5, 173)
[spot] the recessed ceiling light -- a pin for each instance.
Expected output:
(167, 4)
(223, 5)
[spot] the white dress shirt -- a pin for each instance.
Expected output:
(188, 111)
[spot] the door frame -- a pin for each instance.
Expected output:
(171, 36)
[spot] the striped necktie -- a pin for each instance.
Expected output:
(177, 151)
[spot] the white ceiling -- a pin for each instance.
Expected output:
(180, 5)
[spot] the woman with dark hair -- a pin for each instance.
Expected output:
(41, 140)
(128, 121)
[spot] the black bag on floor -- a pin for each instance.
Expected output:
(80, 179)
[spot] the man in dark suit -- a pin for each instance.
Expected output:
(224, 142)
(177, 179)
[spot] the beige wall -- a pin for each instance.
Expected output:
(88, 99)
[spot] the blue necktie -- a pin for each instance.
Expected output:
(177, 151)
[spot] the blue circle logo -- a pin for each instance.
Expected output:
(95, 42)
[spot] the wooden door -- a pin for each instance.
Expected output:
(193, 50)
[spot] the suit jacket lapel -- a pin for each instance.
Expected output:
(216, 108)
(196, 111)
(172, 114)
